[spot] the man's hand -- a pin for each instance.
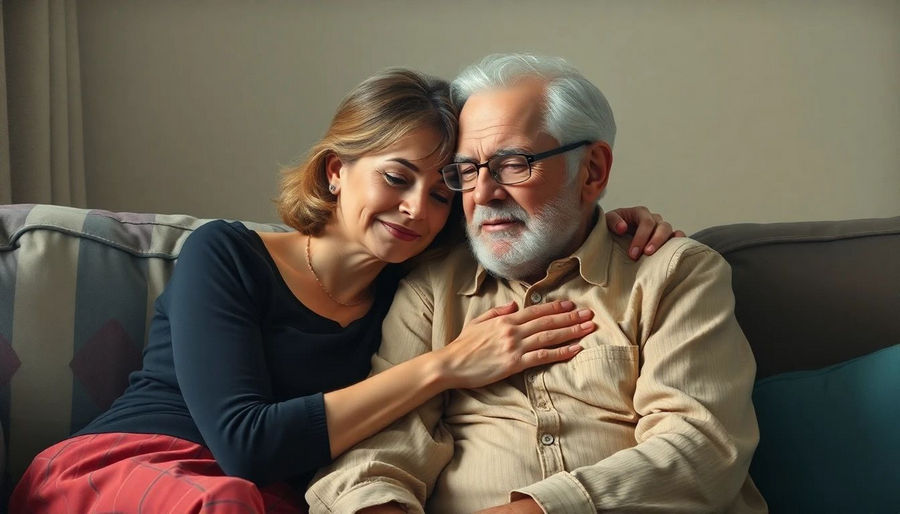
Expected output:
(525, 505)
(650, 230)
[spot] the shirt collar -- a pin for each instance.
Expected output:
(592, 258)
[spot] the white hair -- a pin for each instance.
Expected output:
(575, 109)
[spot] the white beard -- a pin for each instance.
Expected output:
(525, 252)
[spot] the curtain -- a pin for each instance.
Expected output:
(41, 141)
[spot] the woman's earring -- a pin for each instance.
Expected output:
(332, 188)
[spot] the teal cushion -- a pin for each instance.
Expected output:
(830, 438)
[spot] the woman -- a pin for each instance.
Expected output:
(254, 371)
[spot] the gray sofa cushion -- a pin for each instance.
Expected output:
(813, 294)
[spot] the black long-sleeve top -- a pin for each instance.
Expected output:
(236, 362)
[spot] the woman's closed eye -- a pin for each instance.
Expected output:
(396, 179)
(393, 178)
(442, 196)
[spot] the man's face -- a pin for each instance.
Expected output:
(516, 230)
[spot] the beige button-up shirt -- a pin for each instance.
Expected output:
(654, 413)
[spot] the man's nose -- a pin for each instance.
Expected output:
(486, 188)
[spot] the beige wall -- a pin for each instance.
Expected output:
(727, 110)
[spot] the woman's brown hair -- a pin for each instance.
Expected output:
(376, 114)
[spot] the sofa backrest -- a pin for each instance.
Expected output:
(77, 289)
(812, 294)
(76, 296)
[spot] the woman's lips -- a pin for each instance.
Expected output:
(400, 232)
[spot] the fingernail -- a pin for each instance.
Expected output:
(587, 325)
(621, 226)
(585, 313)
(566, 304)
(650, 249)
(634, 252)
(575, 348)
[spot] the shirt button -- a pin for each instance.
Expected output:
(536, 297)
(542, 406)
(547, 439)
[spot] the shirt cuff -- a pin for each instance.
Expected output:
(561, 492)
(369, 494)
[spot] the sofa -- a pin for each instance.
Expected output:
(818, 301)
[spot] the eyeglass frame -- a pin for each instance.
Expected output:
(529, 158)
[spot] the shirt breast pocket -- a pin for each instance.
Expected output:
(599, 382)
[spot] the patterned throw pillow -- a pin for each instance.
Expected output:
(76, 295)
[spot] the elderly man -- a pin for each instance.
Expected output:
(653, 414)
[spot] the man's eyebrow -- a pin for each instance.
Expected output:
(404, 162)
(499, 153)
(511, 151)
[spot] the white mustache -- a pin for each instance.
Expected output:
(507, 211)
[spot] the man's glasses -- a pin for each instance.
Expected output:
(506, 169)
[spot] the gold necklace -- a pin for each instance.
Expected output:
(321, 285)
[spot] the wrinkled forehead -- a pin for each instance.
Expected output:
(494, 118)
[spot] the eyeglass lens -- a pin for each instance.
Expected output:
(506, 169)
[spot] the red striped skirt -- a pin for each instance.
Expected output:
(140, 473)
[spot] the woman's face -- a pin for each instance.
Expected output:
(393, 202)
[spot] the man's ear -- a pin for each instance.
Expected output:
(599, 162)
